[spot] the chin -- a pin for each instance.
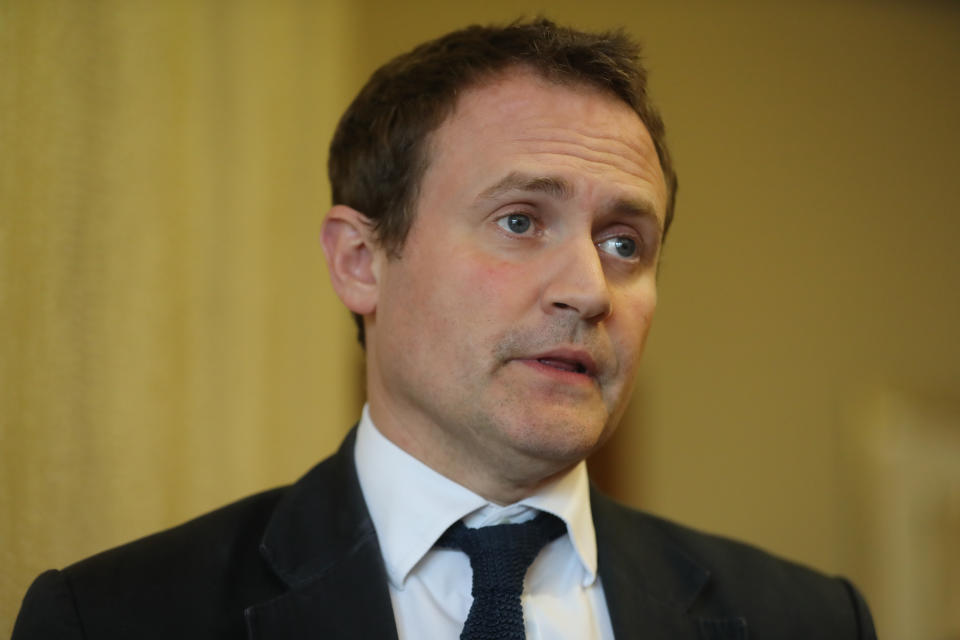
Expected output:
(562, 440)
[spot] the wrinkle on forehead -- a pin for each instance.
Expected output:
(599, 151)
(626, 146)
(515, 115)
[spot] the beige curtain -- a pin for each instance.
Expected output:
(169, 339)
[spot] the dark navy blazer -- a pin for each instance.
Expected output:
(303, 562)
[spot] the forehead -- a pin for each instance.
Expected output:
(519, 121)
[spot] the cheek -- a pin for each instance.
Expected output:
(456, 301)
(636, 309)
(491, 287)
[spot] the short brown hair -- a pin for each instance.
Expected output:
(379, 152)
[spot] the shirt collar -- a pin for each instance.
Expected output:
(409, 521)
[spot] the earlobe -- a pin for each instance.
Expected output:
(350, 249)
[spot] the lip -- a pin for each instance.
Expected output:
(582, 362)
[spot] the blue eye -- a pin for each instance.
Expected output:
(621, 246)
(515, 223)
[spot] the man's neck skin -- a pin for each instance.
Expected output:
(511, 479)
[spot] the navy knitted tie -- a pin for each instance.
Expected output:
(500, 556)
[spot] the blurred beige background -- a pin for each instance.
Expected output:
(169, 341)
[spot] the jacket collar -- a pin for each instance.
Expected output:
(650, 583)
(321, 543)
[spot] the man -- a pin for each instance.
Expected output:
(502, 196)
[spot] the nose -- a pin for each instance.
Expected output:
(578, 283)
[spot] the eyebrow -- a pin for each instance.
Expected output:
(563, 190)
(517, 181)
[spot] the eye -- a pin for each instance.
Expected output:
(517, 223)
(620, 246)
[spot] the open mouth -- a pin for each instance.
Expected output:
(563, 365)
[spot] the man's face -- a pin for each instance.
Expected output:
(507, 334)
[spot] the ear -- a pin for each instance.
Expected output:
(352, 258)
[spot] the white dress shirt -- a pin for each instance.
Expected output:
(411, 505)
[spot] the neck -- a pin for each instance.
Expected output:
(504, 482)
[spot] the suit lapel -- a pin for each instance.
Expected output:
(650, 583)
(340, 603)
(322, 544)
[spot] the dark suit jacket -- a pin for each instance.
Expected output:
(304, 562)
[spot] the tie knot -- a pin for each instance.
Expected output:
(500, 556)
(520, 540)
